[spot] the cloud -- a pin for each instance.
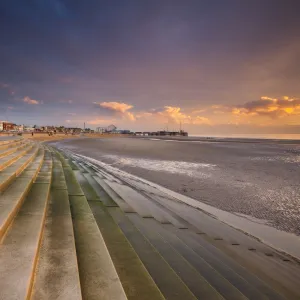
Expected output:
(120, 109)
(198, 111)
(271, 107)
(131, 116)
(72, 114)
(115, 106)
(174, 114)
(28, 100)
(201, 120)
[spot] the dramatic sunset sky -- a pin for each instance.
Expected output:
(213, 65)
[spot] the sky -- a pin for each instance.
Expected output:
(209, 66)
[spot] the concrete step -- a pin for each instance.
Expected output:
(114, 196)
(8, 160)
(135, 279)
(89, 192)
(108, 176)
(173, 218)
(87, 168)
(20, 247)
(131, 197)
(75, 166)
(12, 144)
(218, 258)
(189, 275)
(8, 175)
(103, 196)
(224, 234)
(19, 166)
(74, 188)
(169, 283)
(98, 276)
(284, 284)
(12, 149)
(57, 275)
(58, 178)
(253, 289)
(222, 285)
(12, 198)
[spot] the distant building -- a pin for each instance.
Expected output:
(124, 131)
(20, 127)
(7, 126)
(28, 128)
(109, 129)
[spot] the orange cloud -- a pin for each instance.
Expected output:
(272, 107)
(28, 100)
(201, 120)
(116, 106)
(119, 108)
(175, 115)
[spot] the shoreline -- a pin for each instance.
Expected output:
(220, 139)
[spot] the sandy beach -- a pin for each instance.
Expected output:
(256, 179)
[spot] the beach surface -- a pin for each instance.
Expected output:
(255, 179)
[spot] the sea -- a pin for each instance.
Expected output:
(273, 136)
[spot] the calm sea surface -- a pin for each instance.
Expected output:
(276, 136)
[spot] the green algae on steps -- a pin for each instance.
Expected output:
(88, 169)
(58, 178)
(98, 277)
(200, 287)
(169, 283)
(88, 191)
(72, 165)
(72, 184)
(135, 278)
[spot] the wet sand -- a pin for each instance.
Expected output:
(257, 179)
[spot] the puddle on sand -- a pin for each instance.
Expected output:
(199, 170)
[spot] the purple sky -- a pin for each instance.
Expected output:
(212, 65)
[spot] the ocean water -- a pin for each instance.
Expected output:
(273, 136)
